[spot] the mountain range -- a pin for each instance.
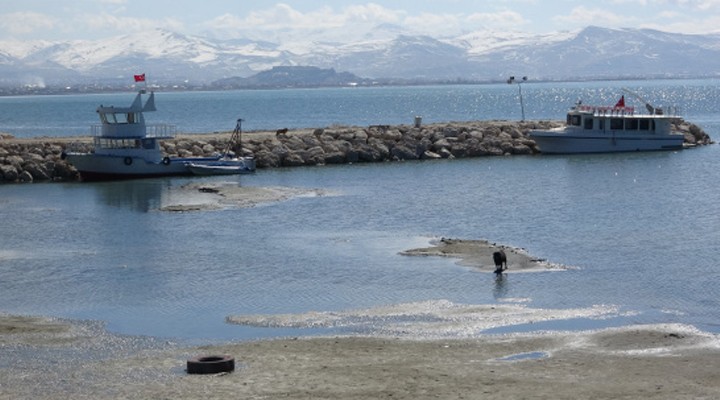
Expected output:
(171, 58)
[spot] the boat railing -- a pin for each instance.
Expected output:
(151, 130)
(600, 111)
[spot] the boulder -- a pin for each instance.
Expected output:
(403, 152)
(9, 173)
(208, 149)
(293, 159)
(314, 155)
(14, 160)
(267, 159)
(37, 171)
(335, 157)
(25, 177)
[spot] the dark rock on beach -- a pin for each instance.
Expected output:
(39, 160)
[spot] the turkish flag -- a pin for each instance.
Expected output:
(140, 78)
(620, 103)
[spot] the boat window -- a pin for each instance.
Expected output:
(616, 123)
(148, 144)
(588, 123)
(119, 118)
(644, 124)
(119, 143)
(601, 124)
(631, 124)
(574, 120)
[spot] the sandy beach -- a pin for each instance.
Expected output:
(659, 362)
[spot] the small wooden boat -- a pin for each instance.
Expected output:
(223, 166)
(228, 164)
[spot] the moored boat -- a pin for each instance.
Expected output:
(595, 129)
(223, 166)
(228, 164)
(125, 147)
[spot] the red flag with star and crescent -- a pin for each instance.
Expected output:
(140, 78)
(621, 102)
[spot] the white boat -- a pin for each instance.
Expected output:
(593, 129)
(228, 164)
(125, 147)
(223, 166)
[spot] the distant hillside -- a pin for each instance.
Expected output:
(291, 77)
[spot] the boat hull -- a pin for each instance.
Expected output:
(562, 143)
(217, 170)
(223, 167)
(94, 167)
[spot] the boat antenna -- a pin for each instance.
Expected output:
(652, 110)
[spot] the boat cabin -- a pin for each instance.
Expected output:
(616, 120)
(123, 129)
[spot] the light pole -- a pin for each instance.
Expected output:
(512, 80)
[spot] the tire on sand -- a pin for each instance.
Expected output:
(210, 364)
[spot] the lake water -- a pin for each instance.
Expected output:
(641, 230)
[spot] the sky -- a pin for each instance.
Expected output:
(62, 20)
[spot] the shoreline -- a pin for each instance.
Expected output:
(25, 160)
(425, 350)
(665, 361)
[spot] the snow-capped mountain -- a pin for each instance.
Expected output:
(172, 58)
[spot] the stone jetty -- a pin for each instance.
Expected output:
(39, 159)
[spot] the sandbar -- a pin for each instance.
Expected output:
(479, 254)
(207, 196)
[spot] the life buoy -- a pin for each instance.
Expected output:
(210, 364)
(166, 161)
(128, 160)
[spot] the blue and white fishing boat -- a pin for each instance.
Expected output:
(125, 147)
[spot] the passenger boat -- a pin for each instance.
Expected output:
(593, 129)
(125, 147)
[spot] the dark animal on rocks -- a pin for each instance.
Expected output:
(500, 261)
(281, 131)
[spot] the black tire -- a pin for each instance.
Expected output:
(166, 161)
(210, 364)
(128, 160)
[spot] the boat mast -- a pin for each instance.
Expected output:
(235, 140)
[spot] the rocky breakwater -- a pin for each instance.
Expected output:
(31, 160)
(339, 145)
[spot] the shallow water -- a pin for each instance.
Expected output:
(641, 231)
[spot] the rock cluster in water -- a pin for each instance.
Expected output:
(30, 160)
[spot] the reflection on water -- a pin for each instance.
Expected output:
(501, 287)
(138, 195)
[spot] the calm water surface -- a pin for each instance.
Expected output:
(642, 231)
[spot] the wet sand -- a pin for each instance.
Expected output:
(204, 196)
(659, 362)
(479, 254)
